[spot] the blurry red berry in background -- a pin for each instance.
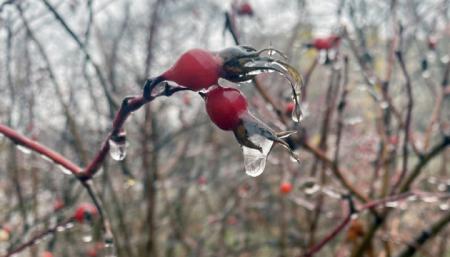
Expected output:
(326, 42)
(94, 250)
(245, 9)
(47, 254)
(289, 108)
(225, 106)
(285, 188)
(196, 69)
(85, 211)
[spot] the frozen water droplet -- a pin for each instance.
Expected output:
(63, 169)
(444, 206)
(384, 105)
(23, 149)
(69, 225)
(160, 88)
(118, 150)
(109, 249)
(254, 160)
(442, 187)
(412, 198)
(392, 204)
(331, 193)
(353, 121)
(296, 153)
(86, 233)
(354, 216)
(312, 189)
(430, 199)
(60, 229)
(45, 158)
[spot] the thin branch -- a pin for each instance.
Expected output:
(338, 172)
(352, 211)
(24, 141)
(407, 122)
(38, 237)
(424, 236)
(423, 162)
(129, 105)
(112, 103)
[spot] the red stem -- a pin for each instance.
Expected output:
(41, 149)
(329, 237)
(129, 105)
(317, 247)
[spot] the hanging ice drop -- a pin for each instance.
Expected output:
(254, 160)
(118, 146)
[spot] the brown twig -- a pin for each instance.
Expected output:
(407, 122)
(352, 210)
(103, 82)
(424, 236)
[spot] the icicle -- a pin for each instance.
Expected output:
(118, 146)
(255, 160)
(289, 73)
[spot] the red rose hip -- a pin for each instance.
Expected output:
(289, 107)
(85, 211)
(245, 9)
(196, 69)
(326, 43)
(225, 106)
(285, 188)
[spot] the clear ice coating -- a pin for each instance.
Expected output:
(64, 169)
(290, 74)
(24, 149)
(254, 160)
(118, 150)
(314, 188)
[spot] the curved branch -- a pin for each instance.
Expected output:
(24, 141)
